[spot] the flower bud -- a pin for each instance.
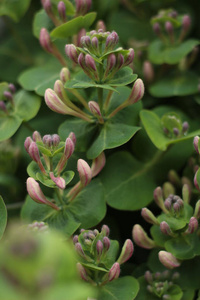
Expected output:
(59, 89)
(69, 148)
(8, 95)
(47, 5)
(47, 140)
(101, 25)
(129, 58)
(84, 171)
(106, 243)
(90, 63)
(36, 136)
(12, 88)
(168, 189)
(105, 229)
(141, 239)
(81, 33)
(99, 248)
(126, 253)
(192, 226)
(119, 61)
(55, 140)
(156, 28)
(196, 182)
(79, 250)
(186, 22)
(111, 62)
(27, 143)
(149, 216)
(137, 92)
(94, 108)
(197, 210)
(165, 229)
(185, 127)
(169, 28)
(86, 41)
(59, 181)
(82, 271)
(75, 239)
(195, 143)
(98, 164)
(186, 192)
(148, 277)
(34, 152)
(168, 260)
(95, 44)
(148, 71)
(64, 75)
(45, 41)
(55, 103)
(72, 137)
(114, 272)
(3, 106)
(62, 11)
(158, 197)
(36, 193)
(71, 52)
(176, 131)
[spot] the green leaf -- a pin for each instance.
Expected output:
(67, 176)
(160, 54)
(27, 105)
(123, 77)
(125, 288)
(38, 79)
(70, 9)
(14, 9)
(127, 183)
(154, 129)
(175, 85)
(8, 126)
(3, 217)
(72, 27)
(41, 20)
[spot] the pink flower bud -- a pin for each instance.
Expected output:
(59, 89)
(34, 152)
(111, 62)
(149, 216)
(79, 250)
(72, 137)
(64, 75)
(82, 271)
(81, 60)
(86, 41)
(126, 253)
(55, 140)
(36, 136)
(59, 181)
(105, 230)
(75, 239)
(81, 33)
(129, 58)
(156, 28)
(119, 61)
(55, 103)
(148, 277)
(71, 52)
(141, 239)
(27, 143)
(185, 126)
(169, 27)
(114, 272)
(192, 226)
(69, 148)
(168, 260)
(137, 91)
(90, 63)
(3, 106)
(36, 193)
(62, 11)
(165, 229)
(158, 197)
(95, 43)
(186, 22)
(94, 108)
(148, 71)
(8, 95)
(195, 143)
(101, 25)
(99, 248)
(47, 140)
(45, 41)
(12, 88)
(47, 5)
(84, 171)
(106, 243)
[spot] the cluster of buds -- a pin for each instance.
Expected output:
(56, 13)
(82, 7)
(92, 248)
(159, 284)
(38, 227)
(166, 22)
(7, 103)
(44, 150)
(97, 57)
(173, 127)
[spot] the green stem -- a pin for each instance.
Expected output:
(108, 100)
(79, 97)
(100, 98)
(59, 196)
(28, 126)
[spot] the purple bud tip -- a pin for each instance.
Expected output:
(114, 272)
(36, 136)
(176, 131)
(165, 229)
(94, 108)
(106, 242)
(137, 91)
(12, 88)
(101, 25)
(195, 143)
(127, 252)
(82, 271)
(47, 140)
(185, 126)
(193, 225)
(148, 277)
(47, 5)
(148, 71)
(105, 229)
(75, 239)
(169, 27)
(55, 140)
(79, 249)
(156, 28)
(62, 10)
(8, 95)
(34, 152)
(45, 40)
(186, 22)
(129, 58)
(111, 62)
(95, 42)
(99, 247)
(71, 52)
(168, 260)
(64, 75)
(59, 181)
(27, 143)
(69, 147)
(72, 136)
(90, 63)
(84, 171)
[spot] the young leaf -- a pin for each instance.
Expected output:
(14, 9)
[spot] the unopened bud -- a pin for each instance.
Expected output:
(98, 164)
(137, 92)
(45, 41)
(101, 25)
(47, 5)
(95, 43)
(169, 28)
(69, 148)
(111, 62)
(99, 248)
(114, 272)
(90, 63)
(158, 197)
(156, 28)
(94, 108)
(129, 58)
(72, 137)
(27, 143)
(192, 226)
(34, 152)
(141, 239)
(79, 250)
(86, 41)
(148, 277)
(119, 61)
(168, 260)
(149, 216)
(106, 242)
(62, 11)
(12, 88)
(55, 140)
(195, 143)
(8, 95)
(71, 52)
(81, 33)
(59, 181)
(186, 193)
(3, 106)
(165, 229)
(176, 131)
(148, 71)
(47, 140)
(82, 271)
(64, 75)
(168, 189)
(75, 239)
(55, 103)
(185, 126)
(84, 171)
(106, 230)
(36, 136)
(127, 252)
(36, 193)
(186, 23)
